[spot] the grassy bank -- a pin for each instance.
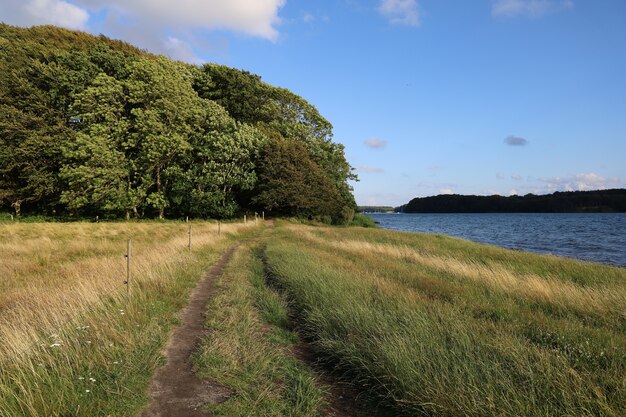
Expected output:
(439, 326)
(73, 342)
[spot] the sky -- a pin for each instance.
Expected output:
(428, 96)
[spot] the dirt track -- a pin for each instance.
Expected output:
(175, 390)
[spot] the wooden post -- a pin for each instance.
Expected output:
(187, 219)
(244, 219)
(129, 254)
(189, 238)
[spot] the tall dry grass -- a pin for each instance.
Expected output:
(64, 306)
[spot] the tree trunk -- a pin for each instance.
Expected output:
(17, 205)
(158, 185)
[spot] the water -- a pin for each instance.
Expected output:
(596, 237)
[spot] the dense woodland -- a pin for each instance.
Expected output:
(559, 202)
(93, 126)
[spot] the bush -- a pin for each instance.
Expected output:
(363, 220)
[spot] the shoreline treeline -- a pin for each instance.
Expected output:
(600, 201)
(93, 126)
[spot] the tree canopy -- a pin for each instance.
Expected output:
(93, 126)
(558, 202)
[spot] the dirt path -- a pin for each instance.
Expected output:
(175, 390)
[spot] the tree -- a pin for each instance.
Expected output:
(291, 183)
(164, 106)
(98, 172)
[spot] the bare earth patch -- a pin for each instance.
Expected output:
(175, 390)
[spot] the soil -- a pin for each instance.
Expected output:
(175, 390)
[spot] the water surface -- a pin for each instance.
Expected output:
(597, 237)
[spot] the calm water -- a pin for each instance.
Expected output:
(597, 237)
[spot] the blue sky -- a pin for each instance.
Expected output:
(428, 96)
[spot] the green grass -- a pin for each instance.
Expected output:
(249, 348)
(440, 326)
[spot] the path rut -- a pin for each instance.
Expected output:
(175, 390)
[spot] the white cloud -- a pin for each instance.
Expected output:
(161, 26)
(532, 8)
(513, 192)
(446, 191)
(375, 143)
(400, 12)
(579, 182)
(251, 17)
(38, 12)
(516, 177)
(370, 169)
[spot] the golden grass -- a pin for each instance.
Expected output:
(52, 273)
(589, 300)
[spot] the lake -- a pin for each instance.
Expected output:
(597, 237)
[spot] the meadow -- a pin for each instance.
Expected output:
(415, 324)
(73, 340)
(432, 325)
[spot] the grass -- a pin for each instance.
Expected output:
(439, 326)
(422, 324)
(249, 348)
(73, 342)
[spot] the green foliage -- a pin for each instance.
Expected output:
(558, 202)
(292, 184)
(363, 220)
(91, 126)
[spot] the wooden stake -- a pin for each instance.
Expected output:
(129, 254)
(189, 238)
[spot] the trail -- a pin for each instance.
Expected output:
(175, 390)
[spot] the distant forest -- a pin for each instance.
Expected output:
(92, 126)
(560, 202)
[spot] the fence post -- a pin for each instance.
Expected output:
(129, 254)
(189, 238)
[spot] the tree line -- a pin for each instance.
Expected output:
(559, 202)
(94, 126)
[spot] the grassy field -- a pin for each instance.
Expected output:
(439, 326)
(72, 341)
(424, 324)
